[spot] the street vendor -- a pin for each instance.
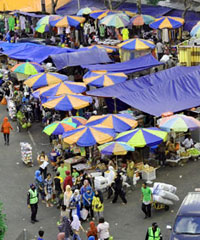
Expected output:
(170, 148)
(188, 142)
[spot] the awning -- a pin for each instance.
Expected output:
(92, 56)
(134, 65)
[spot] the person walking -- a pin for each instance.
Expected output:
(92, 231)
(64, 229)
(97, 204)
(32, 202)
(68, 180)
(43, 162)
(130, 172)
(39, 183)
(110, 178)
(5, 129)
(87, 201)
(58, 189)
(76, 227)
(154, 232)
(118, 189)
(160, 49)
(146, 200)
(48, 187)
(103, 229)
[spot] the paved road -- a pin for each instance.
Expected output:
(126, 222)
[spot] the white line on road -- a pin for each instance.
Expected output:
(31, 137)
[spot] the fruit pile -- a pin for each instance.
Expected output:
(193, 152)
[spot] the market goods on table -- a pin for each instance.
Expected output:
(193, 152)
(26, 152)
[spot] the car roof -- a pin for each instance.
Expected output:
(190, 205)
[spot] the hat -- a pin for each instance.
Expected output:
(67, 172)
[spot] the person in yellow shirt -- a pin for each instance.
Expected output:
(130, 172)
(125, 34)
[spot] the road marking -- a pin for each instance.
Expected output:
(31, 137)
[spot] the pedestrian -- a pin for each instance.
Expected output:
(103, 229)
(41, 234)
(32, 202)
(48, 187)
(154, 232)
(58, 189)
(84, 187)
(62, 170)
(130, 172)
(87, 201)
(118, 189)
(39, 183)
(64, 229)
(67, 196)
(146, 200)
(68, 180)
(110, 178)
(97, 204)
(92, 231)
(43, 162)
(5, 129)
(160, 49)
(76, 227)
(75, 203)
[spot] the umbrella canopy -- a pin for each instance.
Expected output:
(58, 128)
(195, 30)
(167, 22)
(141, 137)
(136, 44)
(67, 21)
(129, 13)
(115, 20)
(89, 136)
(119, 122)
(67, 102)
(86, 11)
(103, 79)
(99, 14)
(42, 28)
(76, 119)
(65, 87)
(116, 148)
(140, 20)
(107, 49)
(47, 19)
(179, 123)
(44, 79)
(28, 68)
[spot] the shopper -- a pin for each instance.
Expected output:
(5, 129)
(154, 232)
(111, 178)
(64, 229)
(87, 201)
(67, 196)
(84, 187)
(118, 189)
(75, 203)
(62, 170)
(103, 229)
(68, 180)
(92, 231)
(32, 202)
(39, 183)
(41, 235)
(146, 200)
(160, 49)
(43, 162)
(130, 172)
(97, 204)
(58, 189)
(76, 227)
(48, 187)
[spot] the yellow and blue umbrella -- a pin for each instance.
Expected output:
(107, 49)
(58, 128)
(47, 19)
(140, 20)
(65, 87)
(141, 137)
(67, 21)
(116, 20)
(78, 120)
(86, 11)
(44, 79)
(103, 79)
(67, 102)
(118, 122)
(42, 28)
(116, 148)
(195, 32)
(28, 68)
(136, 44)
(89, 136)
(167, 22)
(99, 14)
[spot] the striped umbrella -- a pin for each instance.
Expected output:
(65, 87)
(116, 148)
(47, 19)
(167, 22)
(86, 11)
(44, 79)
(136, 44)
(42, 28)
(76, 119)
(99, 14)
(141, 137)
(103, 79)
(28, 68)
(67, 102)
(89, 136)
(195, 30)
(67, 21)
(179, 123)
(116, 20)
(58, 128)
(107, 49)
(119, 122)
(140, 20)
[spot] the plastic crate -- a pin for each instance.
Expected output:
(148, 176)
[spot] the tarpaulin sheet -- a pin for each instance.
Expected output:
(92, 56)
(131, 66)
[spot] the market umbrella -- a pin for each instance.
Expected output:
(66, 87)
(136, 44)
(99, 14)
(76, 119)
(47, 19)
(195, 30)
(89, 136)
(178, 123)
(27, 68)
(58, 128)
(167, 22)
(119, 122)
(115, 20)
(67, 21)
(86, 11)
(116, 148)
(44, 79)
(141, 137)
(103, 79)
(130, 13)
(107, 49)
(67, 102)
(140, 20)
(42, 28)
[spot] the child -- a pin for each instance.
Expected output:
(41, 234)
(63, 213)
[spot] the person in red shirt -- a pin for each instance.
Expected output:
(5, 129)
(68, 180)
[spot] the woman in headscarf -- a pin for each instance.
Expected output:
(110, 178)
(75, 203)
(67, 195)
(97, 204)
(39, 183)
(5, 129)
(87, 201)
(76, 227)
(92, 231)
(64, 229)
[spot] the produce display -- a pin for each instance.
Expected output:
(185, 154)
(26, 152)
(193, 152)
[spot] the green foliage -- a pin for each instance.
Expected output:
(153, 2)
(3, 225)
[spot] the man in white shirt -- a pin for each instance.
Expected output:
(160, 49)
(188, 142)
(103, 229)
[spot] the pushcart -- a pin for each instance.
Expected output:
(159, 206)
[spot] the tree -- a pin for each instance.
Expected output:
(187, 6)
(53, 6)
(139, 8)
(2, 223)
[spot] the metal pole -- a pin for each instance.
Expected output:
(79, 4)
(25, 235)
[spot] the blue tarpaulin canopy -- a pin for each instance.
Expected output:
(171, 90)
(134, 65)
(92, 56)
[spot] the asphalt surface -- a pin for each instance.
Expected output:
(126, 222)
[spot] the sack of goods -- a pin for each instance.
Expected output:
(164, 193)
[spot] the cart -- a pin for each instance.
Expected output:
(159, 206)
(26, 153)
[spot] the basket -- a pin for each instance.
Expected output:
(149, 175)
(173, 163)
(185, 159)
